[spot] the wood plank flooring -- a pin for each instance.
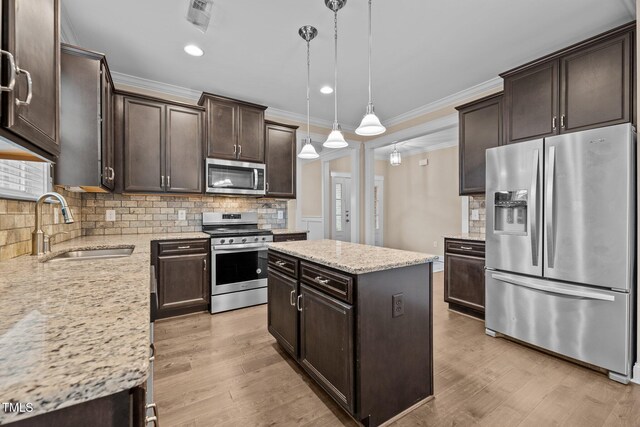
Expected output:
(226, 370)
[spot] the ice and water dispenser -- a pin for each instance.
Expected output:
(510, 212)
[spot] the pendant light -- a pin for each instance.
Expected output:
(395, 159)
(335, 139)
(370, 125)
(308, 33)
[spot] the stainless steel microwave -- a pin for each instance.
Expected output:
(234, 177)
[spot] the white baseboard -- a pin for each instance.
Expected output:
(636, 373)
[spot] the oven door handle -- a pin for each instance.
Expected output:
(240, 248)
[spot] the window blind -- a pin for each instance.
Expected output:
(24, 180)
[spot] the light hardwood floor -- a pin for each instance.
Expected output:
(226, 370)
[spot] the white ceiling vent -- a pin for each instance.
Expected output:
(199, 13)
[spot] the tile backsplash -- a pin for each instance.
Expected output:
(477, 226)
(140, 214)
(17, 221)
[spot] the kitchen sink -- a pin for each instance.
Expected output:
(93, 254)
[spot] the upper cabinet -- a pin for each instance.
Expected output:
(280, 158)
(160, 145)
(86, 122)
(30, 112)
(585, 86)
(480, 127)
(234, 129)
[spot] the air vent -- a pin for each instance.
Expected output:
(199, 13)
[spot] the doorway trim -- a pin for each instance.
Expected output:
(446, 122)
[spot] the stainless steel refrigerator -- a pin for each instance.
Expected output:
(560, 245)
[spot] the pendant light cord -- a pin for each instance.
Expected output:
(370, 97)
(308, 78)
(335, 83)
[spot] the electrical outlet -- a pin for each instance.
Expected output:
(280, 214)
(423, 162)
(56, 216)
(435, 243)
(182, 215)
(475, 214)
(397, 302)
(110, 215)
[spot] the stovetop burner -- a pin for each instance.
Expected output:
(230, 225)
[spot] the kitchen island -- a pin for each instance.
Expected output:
(358, 319)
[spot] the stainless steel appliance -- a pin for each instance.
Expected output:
(234, 177)
(238, 258)
(560, 245)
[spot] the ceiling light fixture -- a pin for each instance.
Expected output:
(370, 125)
(327, 90)
(308, 33)
(193, 50)
(335, 139)
(395, 158)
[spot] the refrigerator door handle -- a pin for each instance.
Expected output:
(549, 288)
(548, 217)
(533, 215)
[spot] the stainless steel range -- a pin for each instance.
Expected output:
(239, 259)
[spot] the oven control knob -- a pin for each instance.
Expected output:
(244, 240)
(264, 238)
(256, 239)
(230, 240)
(222, 241)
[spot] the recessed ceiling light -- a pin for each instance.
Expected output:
(326, 90)
(193, 50)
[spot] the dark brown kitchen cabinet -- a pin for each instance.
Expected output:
(161, 145)
(326, 343)
(234, 129)
(464, 276)
(280, 158)
(86, 122)
(30, 112)
(480, 127)
(348, 334)
(183, 276)
(282, 318)
(289, 237)
(587, 85)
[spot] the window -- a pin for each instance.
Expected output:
(25, 180)
(338, 207)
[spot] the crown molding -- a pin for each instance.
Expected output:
(67, 32)
(447, 101)
(169, 89)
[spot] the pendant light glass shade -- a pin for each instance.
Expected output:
(335, 139)
(370, 125)
(308, 151)
(395, 158)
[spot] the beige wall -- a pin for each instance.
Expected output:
(422, 202)
(311, 188)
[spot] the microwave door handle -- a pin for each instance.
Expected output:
(255, 178)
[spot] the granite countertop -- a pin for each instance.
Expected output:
(466, 236)
(288, 231)
(77, 330)
(352, 258)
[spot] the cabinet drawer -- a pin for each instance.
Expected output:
(465, 247)
(179, 247)
(289, 237)
(283, 263)
(331, 282)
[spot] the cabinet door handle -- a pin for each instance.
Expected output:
(562, 118)
(292, 298)
(184, 247)
(554, 122)
(466, 248)
(169, 181)
(281, 263)
(12, 72)
(27, 101)
(205, 264)
(154, 408)
(239, 150)
(299, 302)
(152, 347)
(267, 187)
(112, 174)
(321, 280)
(162, 181)
(235, 150)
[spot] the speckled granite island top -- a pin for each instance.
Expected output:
(77, 330)
(352, 258)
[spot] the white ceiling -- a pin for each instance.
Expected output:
(423, 50)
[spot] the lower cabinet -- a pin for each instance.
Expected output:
(183, 276)
(326, 343)
(464, 276)
(344, 331)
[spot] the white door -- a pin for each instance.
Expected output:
(341, 208)
(378, 210)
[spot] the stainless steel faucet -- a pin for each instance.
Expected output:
(38, 238)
